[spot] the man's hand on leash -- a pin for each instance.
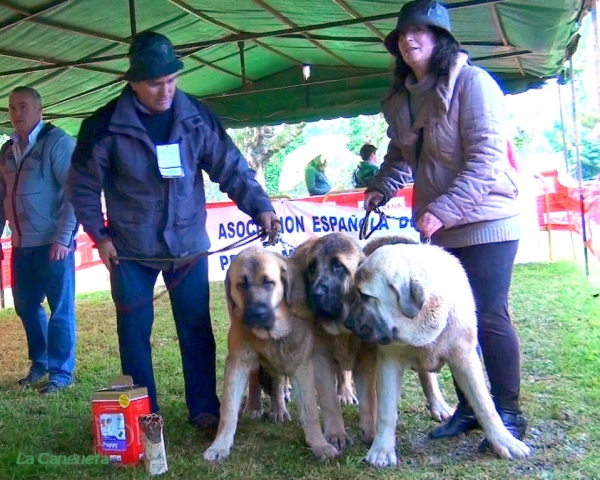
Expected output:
(106, 249)
(373, 199)
(270, 227)
(428, 224)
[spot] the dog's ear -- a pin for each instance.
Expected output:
(285, 281)
(411, 295)
(414, 299)
(228, 288)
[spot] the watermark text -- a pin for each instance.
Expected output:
(51, 459)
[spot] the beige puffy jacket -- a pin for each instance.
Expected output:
(462, 175)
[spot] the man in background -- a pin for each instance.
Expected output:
(368, 168)
(34, 166)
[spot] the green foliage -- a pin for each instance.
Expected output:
(273, 168)
(589, 149)
(366, 129)
(259, 144)
(522, 139)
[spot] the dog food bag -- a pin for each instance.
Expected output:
(115, 411)
(155, 456)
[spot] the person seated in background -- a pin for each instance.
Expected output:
(314, 175)
(368, 168)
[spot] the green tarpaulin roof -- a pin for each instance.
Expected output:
(245, 57)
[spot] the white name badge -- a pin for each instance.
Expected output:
(169, 160)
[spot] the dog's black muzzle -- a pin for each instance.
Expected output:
(358, 323)
(324, 302)
(258, 315)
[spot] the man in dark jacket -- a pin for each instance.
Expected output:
(34, 165)
(146, 151)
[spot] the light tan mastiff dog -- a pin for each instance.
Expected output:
(416, 303)
(329, 264)
(273, 328)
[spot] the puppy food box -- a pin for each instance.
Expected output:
(116, 410)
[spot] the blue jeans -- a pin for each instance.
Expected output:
(51, 342)
(132, 287)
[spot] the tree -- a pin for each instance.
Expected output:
(366, 129)
(522, 139)
(259, 144)
(589, 149)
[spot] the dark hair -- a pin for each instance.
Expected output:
(31, 91)
(366, 151)
(443, 56)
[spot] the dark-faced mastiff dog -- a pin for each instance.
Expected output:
(273, 329)
(416, 303)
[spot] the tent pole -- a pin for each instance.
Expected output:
(562, 128)
(242, 63)
(579, 171)
(566, 157)
(132, 21)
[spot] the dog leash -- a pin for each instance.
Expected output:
(288, 248)
(363, 235)
(238, 243)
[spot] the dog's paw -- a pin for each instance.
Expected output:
(346, 397)
(510, 448)
(340, 440)
(215, 454)
(324, 451)
(368, 433)
(440, 411)
(280, 414)
(380, 458)
(255, 413)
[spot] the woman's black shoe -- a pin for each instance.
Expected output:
(460, 422)
(515, 423)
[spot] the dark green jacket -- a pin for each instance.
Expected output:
(364, 173)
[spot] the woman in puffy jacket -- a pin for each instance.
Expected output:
(447, 126)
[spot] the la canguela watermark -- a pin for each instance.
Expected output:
(46, 458)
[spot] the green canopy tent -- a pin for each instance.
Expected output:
(246, 57)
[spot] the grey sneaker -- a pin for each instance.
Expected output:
(54, 387)
(31, 379)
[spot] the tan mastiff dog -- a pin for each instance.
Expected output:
(329, 265)
(273, 328)
(416, 303)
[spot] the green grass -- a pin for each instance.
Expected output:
(557, 313)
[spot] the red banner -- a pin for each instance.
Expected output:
(561, 207)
